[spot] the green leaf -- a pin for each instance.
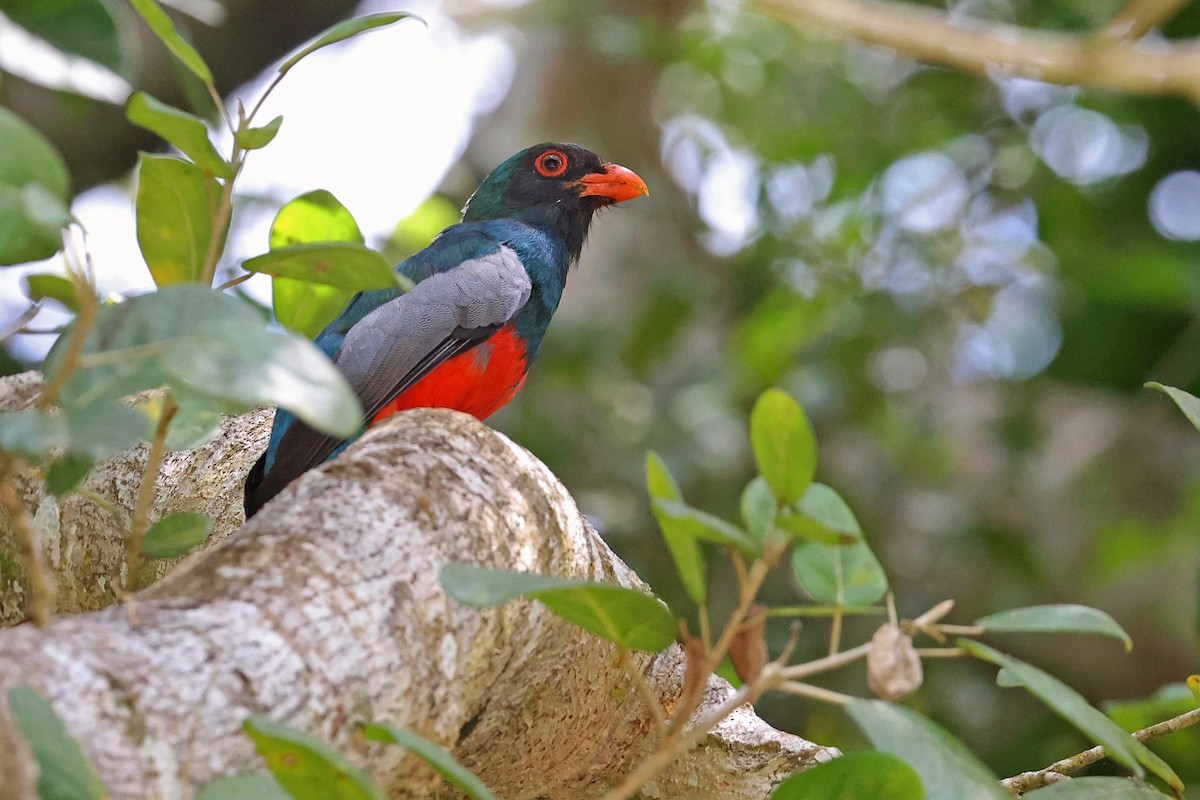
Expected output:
(684, 520)
(947, 768)
(260, 786)
(865, 775)
(174, 218)
(45, 286)
(33, 193)
(839, 574)
(209, 347)
(346, 265)
(196, 423)
(759, 507)
(685, 550)
(66, 473)
(129, 340)
(1071, 706)
(27, 157)
(307, 768)
(628, 617)
(315, 216)
(344, 30)
(257, 138)
(176, 534)
(64, 771)
(166, 31)
(783, 444)
(249, 364)
(1188, 403)
(436, 756)
(1096, 788)
(31, 433)
(31, 223)
(307, 308)
(83, 28)
(1064, 618)
(186, 131)
(822, 516)
(103, 427)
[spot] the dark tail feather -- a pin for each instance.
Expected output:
(253, 502)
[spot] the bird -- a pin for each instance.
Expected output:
(484, 291)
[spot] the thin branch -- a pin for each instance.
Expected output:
(232, 282)
(825, 611)
(980, 47)
(667, 753)
(84, 320)
(141, 512)
(816, 693)
(800, 671)
(41, 586)
(941, 652)
(648, 697)
(1028, 781)
(1139, 17)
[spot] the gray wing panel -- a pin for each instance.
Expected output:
(380, 351)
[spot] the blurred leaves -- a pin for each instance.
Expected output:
(436, 756)
(64, 771)
(307, 768)
(866, 775)
(33, 193)
(85, 28)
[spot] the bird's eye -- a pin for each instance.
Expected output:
(551, 163)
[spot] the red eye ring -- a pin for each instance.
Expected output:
(551, 164)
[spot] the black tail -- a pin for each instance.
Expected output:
(251, 498)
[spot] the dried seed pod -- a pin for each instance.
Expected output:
(893, 665)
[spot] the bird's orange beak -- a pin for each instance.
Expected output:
(617, 183)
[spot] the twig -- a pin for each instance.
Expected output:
(41, 586)
(84, 320)
(980, 47)
(817, 693)
(799, 671)
(220, 219)
(1028, 781)
(1139, 17)
(141, 512)
(824, 611)
(232, 282)
(941, 652)
(669, 751)
(648, 697)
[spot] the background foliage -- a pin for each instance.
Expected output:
(965, 281)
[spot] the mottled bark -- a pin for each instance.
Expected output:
(326, 611)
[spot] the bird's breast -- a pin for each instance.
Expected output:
(478, 382)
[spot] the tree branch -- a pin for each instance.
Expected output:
(1028, 781)
(1101, 62)
(326, 610)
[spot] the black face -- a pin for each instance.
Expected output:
(549, 173)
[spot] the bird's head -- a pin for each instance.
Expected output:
(556, 187)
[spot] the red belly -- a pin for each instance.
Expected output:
(479, 382)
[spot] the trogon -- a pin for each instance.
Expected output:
(485, 289)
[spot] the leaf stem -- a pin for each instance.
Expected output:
(86, 296)
(141, 512)
(817, 693)
(232, 282)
